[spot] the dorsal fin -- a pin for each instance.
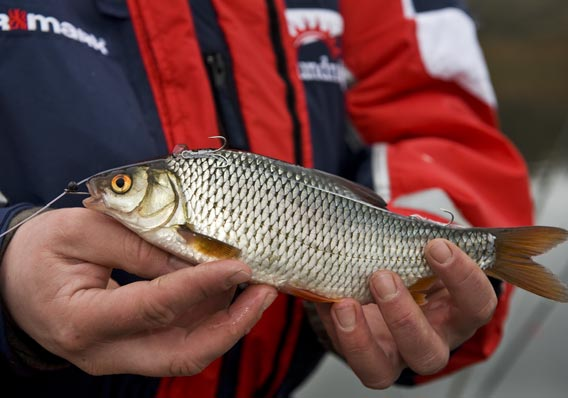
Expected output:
(360, 191)
(332, 183)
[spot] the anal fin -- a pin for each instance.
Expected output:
(208, 246)
(419, 289)
(307, 295)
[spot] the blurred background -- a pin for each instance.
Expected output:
(526, 47)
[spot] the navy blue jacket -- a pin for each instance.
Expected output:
(84, 87)
(75, 99)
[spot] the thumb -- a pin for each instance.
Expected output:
(153, 304)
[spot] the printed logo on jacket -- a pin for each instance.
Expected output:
(19, 19)
(311, 25)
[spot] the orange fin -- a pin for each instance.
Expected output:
(513, 263)
(207, 245)
(420, 298)
(307, 295)
(419, 289)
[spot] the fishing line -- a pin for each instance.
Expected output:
(72, 189)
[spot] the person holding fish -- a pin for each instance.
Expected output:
(229, 267)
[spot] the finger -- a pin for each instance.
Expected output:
(197, 313)
(223, 330)
(97, 238)
(180, 352)
(420, 346)
(152, 304)
(358, 346)
(468, 285)
(324, 314)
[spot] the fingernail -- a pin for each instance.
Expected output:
(346, 317)
(440, 252)
(268, 300)
(237, 278)
(384, 285)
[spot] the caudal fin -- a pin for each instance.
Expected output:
(515, 248)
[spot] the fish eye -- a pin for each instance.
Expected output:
(121, 183)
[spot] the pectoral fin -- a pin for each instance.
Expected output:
(208, 246)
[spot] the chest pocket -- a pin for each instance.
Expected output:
(73, 95)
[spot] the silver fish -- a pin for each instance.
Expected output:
(304, 231)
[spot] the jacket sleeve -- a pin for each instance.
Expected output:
(8, 356)
(423, 100)
(19, 352)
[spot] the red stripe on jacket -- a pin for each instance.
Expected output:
(168, 44)
(182, 93)
(261, 90)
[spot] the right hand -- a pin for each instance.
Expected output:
(55, 281)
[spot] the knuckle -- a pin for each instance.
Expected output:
(156, 314)
(233, 329)
(469, 277)
(70, 339)
(403, 321)
(186, 367)
(203, 291)
(355, 348)
(381, 383)
(484, 315)
(432, 362)
(135, 247)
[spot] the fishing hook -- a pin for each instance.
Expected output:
(452, 217)
(185, 153)
(224, 142)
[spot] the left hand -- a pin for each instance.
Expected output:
(379, 340)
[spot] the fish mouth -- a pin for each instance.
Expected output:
(95, 201)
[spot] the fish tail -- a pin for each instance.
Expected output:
(515, 248)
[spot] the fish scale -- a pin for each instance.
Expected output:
(303, 231)
(329, 237)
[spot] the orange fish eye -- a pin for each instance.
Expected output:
(121, 183)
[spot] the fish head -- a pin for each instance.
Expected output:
(143, 197)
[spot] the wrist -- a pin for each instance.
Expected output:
(18, 347)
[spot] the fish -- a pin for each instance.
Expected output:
(306, 232)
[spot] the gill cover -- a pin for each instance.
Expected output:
(142, 197)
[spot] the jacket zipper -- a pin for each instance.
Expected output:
(282, 66)
(229, 119)
(217, 75)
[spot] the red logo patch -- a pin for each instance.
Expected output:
(18, 19)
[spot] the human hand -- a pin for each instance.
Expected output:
(55, 281)
(379, 340)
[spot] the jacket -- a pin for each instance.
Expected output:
(392, 94)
